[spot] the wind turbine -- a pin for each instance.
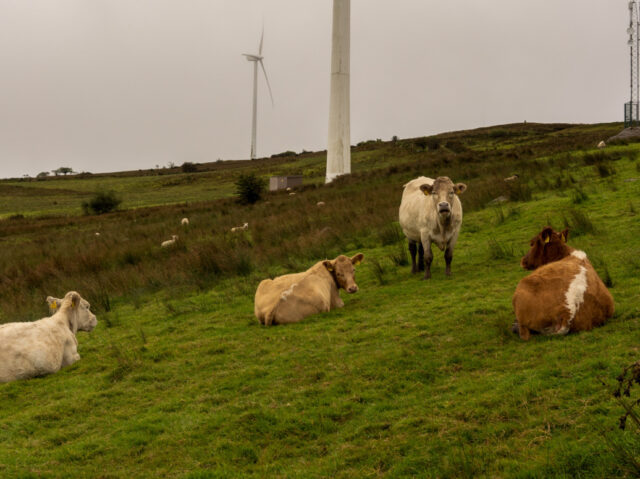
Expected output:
(339, 145)
(257, 59)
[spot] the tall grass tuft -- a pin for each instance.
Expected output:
(604, 170)
(500, 251)
(578, 195)
(378, 271)
(399, 257)
(390, 234)
(579, 222)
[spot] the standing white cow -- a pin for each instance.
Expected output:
(431, 212)
(45, 346)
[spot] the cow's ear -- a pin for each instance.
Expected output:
(427, 189)
(546, 234)
(75, 299)
(565, 235)
(53, 303)
(357, 259)
(460, 188)
(328, 264)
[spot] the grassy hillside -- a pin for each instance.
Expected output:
(410, 378)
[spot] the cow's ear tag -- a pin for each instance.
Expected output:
(564, 239)
(547, 239)
(328, 265)
(426, 193)
(54, 305)
(357, 262)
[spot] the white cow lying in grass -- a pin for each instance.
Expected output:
(45, 346)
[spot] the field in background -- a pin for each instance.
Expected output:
(411, 378)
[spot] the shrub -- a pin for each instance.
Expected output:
(188, 167)
(284, 154)
(250, 188)
(102, 202)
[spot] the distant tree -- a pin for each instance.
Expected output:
(394, 138)
(42, 174)
(250, 188)
(102, 202)
(171, 164)
(188, 167)
(63, 170)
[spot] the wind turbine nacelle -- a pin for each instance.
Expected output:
(253, 58)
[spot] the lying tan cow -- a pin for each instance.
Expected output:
(45, 346)
(292, 297)
(564, 293)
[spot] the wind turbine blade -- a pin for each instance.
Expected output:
(261, 38)
(267, 78)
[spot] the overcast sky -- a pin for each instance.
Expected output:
(107, 85)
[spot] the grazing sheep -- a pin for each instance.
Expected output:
(240, 228)
(171, 242)
(320, 203)
(45, 346)
(292, 193)
(97, 233)
(184, 222)
(602, 144)
(512, 178)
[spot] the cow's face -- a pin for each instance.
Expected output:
(79, 309)
(546, 247)
(343, 271)
(443, 192)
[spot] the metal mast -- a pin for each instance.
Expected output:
(339, 147)
(631, 108)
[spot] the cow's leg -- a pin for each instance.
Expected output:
(428, 258)
(413, 247)
(524, 332)
(448, 257)
(420, 257)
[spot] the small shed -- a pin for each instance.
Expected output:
(283, 182)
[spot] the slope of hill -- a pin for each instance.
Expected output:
(411, 378)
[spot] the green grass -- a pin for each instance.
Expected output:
(409, 379)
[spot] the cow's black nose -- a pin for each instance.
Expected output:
(444, 206)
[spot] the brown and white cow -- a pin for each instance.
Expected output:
(564, 293)
(292, 297)
(431, 212)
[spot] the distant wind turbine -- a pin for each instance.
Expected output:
(257, 59)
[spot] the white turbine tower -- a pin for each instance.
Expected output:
(257, 59)
(339, 146)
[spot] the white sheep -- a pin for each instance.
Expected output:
(171, 242)
(320, 203)
(240, 228)
(184, 222)
(512, 178)
(602, 144)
